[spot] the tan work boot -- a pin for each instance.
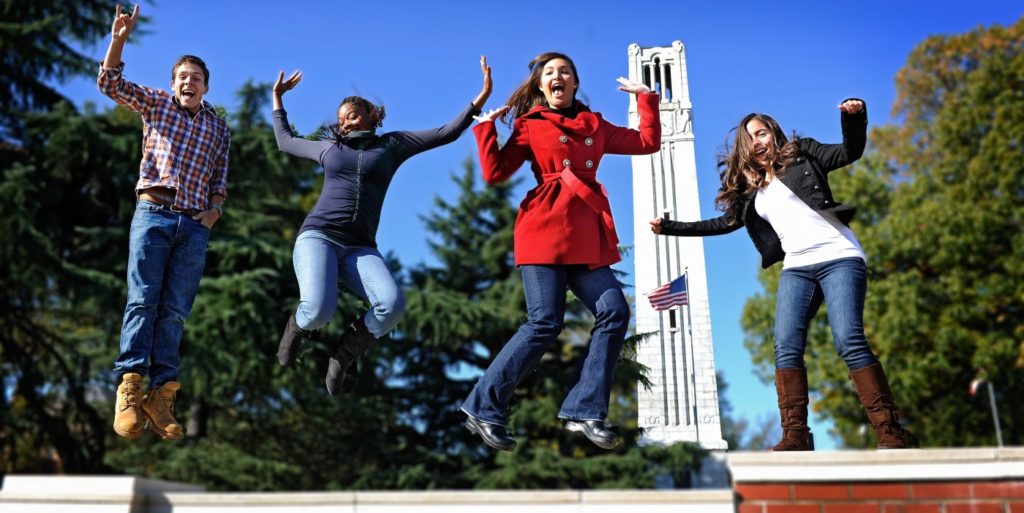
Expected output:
(159, 407)
(128, 417)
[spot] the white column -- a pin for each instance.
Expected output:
(682, 404)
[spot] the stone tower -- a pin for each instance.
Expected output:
(682, 404)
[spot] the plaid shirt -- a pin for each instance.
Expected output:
(180, 151)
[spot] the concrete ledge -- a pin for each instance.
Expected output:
(453, 498)
(655, 496)
(51, 494)
(871, 465)
(83, 494)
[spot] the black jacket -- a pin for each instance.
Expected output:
(806, 177)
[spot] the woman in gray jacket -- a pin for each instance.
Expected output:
(338, 238)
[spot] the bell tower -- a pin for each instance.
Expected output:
(682, 404)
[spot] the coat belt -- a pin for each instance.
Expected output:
(596, 201)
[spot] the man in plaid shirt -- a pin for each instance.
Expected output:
(182, 185)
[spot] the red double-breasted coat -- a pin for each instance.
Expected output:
(566, 218)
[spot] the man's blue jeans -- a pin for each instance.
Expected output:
(319, 263)
(842, 284)
(166, 257)
(545, 287)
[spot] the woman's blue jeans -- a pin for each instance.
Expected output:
(319, 263)
(842, 284)
(545, 287)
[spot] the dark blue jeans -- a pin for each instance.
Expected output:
(545, 287)
(842, 284)
(166, 257)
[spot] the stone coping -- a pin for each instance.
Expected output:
(123, 490)
(872, 465)
(453, 497)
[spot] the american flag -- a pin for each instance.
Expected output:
(669, 295)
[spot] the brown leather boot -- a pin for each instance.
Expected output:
(875, 396)
(128, 417)
(159, 408)
(791, 387)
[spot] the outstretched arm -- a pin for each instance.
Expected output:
(646, 139)
(136, 98)
(417, 141)
(723, 224)
(287, 141)
(485, 91)
(119, 32)
(854, 119)
(282, 86)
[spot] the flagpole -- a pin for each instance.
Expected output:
(995, 413)
(693, 358)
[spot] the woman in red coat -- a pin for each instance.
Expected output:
(564, 239)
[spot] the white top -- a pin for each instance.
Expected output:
(808, 236)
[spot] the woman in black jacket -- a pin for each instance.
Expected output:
(779, 190)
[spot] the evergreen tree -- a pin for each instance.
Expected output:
(37, 41)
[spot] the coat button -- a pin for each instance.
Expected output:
(563, 139)
(565, 162)
(816, 187)
(590, 163)
(588, 141)
(807, 173)
(827, 202)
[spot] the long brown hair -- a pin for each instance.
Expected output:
(738, 167)
(528, 95)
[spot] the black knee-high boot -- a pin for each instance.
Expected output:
(290, 341)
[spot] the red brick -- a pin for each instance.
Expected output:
(953, 490)
(974, 507)
(880, 491)
(821, 491)
(753, 492)
(751, 508)
(1009, 489)
(913, 508)
(792, 508)
(852, 507)
(1017, 507)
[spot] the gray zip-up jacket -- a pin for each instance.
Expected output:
(356, 180)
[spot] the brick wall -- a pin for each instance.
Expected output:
(915, 481)
(988, 496)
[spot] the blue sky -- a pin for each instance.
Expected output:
(794, 60)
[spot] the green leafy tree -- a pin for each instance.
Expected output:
(942, 221)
